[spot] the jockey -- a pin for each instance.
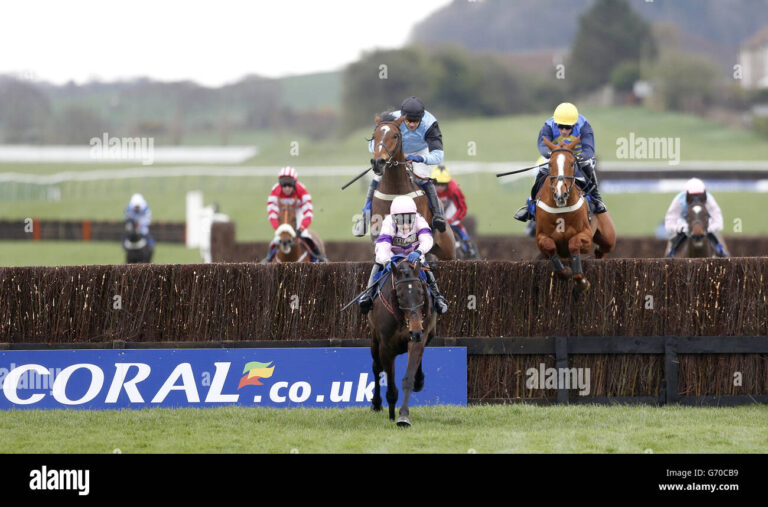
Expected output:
(404, 232)
(566, 125)
(422, 145)
(138, 211)
(677, 226)
(288, 190)
(455, 206)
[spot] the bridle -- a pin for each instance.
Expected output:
(554, 179)
(405, 280)
(391, 162)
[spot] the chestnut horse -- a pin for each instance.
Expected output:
(564, 227)
(291, 247)
(399, 319)
(389, 162)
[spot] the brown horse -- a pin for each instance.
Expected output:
(291, 247)
(563, 224)
(701, 243)
(399, 319)
(389, 162)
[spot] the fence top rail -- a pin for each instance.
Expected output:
(518, 345)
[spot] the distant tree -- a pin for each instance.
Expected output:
(78, 125)
(609, 33)
(684, 82)
(25, 112)
(382, 79)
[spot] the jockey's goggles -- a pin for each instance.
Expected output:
(404, 219)
(565, 127)
(287, 182)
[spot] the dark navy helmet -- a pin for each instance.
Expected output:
(413, 109)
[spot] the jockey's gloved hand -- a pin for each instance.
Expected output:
(682, 226)
(413, 257)
(415, 158)
(299, 231)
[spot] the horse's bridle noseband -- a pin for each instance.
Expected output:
(391, 162)
(405, 280)
(572, 179)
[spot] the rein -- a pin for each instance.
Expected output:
(393, 293)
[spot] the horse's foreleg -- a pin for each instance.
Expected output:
(389, 367)
(579, 243)
(415, 352)
(548, 248)
(377, 369)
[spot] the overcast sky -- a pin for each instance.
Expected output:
(211, 42)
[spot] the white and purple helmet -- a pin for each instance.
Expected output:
(403, 211)
(695, 186)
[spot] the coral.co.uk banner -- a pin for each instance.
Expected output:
(311, 377)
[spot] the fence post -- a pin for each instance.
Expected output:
(670, 370)
(561, 364)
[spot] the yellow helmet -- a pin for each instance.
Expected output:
(441, 174)
(566, 114)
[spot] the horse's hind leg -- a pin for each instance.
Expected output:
(605, 235)
(415, 352)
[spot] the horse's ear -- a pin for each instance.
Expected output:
(400, 120)
(573, 144)
(549, 143)
(377, 119)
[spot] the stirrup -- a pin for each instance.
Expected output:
(523, 214)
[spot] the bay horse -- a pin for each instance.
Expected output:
(697, 217)
(400, 319)
(290, 246)
(564, 227)
(701, 243)
(389, 162)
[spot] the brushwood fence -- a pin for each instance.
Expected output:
(675, 328)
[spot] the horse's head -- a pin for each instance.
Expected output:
(697, 218)
(411, 296)
(387, 143)
(286, 237)
(286, 232)
(562, 169)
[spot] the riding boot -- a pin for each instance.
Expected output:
(597, 200)
(314, 251)
(441, 305)
(470, 249)
(720, 251)
(270, 255)
(438, 221)
(366, 301)
(528, 212)
(360, 228)
(675, 243)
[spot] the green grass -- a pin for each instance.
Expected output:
(70, 253)
(481, 429)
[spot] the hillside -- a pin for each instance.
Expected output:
(525, 25)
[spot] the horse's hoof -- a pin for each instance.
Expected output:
(403, 421)
(581, 286)
(376, 408)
